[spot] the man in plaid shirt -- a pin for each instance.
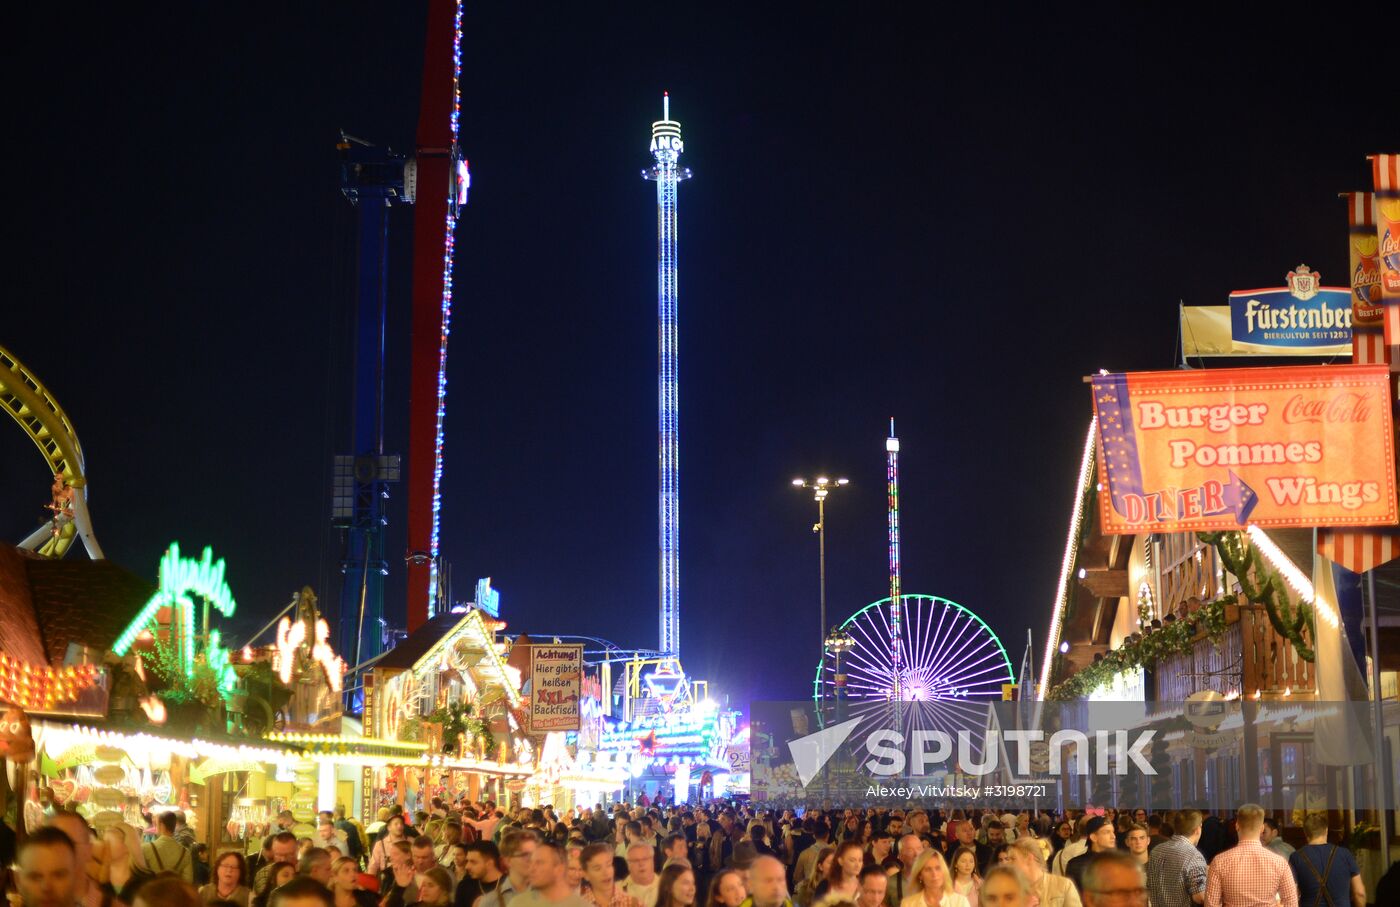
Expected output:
(1249, 874)
(1176, 871)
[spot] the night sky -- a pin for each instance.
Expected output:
(948, 221)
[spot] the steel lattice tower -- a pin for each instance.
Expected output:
(666, 172)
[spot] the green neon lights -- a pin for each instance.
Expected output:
(180, 578)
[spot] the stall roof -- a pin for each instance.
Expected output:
(405, 655)
(45, 604)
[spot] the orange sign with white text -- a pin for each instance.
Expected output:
(1219, 449)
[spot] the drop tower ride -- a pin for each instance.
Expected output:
(666, 172)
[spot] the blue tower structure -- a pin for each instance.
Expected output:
(372, 178)
(666, 172)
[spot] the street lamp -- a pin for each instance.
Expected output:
(838, 641)
(820, 488)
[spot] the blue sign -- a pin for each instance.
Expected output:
(1301, 319)
(489, 600)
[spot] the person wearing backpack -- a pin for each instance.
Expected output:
(1327, 875)
(165, 854)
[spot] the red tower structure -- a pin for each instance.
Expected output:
(440, 180)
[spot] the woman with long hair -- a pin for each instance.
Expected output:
(931, 885)
(727, 889)
(379, 857)
(435, 888)
(345, 885)
(279, 875)
(1064, 830)
(124, 865)
(228, 880)
(966, 881)
(843, 878)
(699, 850)
(677, 887)
(850, 829)
(805, 895)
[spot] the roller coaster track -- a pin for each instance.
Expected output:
(31, 405)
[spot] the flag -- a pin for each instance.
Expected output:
(1359, 551)
(1385, 173)
(1025, 695)
(1339, 737)
(1362, 550)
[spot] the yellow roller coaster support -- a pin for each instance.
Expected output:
(31, 405)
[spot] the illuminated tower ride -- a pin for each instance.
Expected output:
(896, 623)
(666, 172)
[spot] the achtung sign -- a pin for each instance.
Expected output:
(556, 684)
(1219, 449)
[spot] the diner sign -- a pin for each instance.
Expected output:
(1219, 449)
(556, 681)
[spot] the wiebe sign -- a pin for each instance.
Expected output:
(556, 684)
(1218, 449)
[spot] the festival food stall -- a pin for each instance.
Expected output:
(448, 689)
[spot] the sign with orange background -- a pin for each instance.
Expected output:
(1219, 449)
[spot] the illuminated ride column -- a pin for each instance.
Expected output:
(666, 147)
(896, 605)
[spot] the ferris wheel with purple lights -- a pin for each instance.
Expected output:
(946, 654)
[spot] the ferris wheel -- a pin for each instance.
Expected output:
(947, 654)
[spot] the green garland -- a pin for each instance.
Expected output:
(1259, 584)
(1271, 592)
(1174, 638)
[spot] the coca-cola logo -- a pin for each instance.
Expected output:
(1346, 407)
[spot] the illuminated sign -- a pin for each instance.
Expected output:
(690, 737)
(488, 599)
(1219, 449)
(556, 680)
(1304, 318)
(291, 636)
(179, 577)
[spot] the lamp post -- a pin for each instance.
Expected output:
(838, 641)
(820, 488)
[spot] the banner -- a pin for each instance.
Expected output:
(1301, 319)
(1385, 173)
(1218, 449)
(1363, 260)
(556, 683)
(1359, 550)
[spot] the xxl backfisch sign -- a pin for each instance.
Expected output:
(1218, 449)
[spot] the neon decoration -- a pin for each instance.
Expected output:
(1062, 591)
(180, 577)
(447, 256)
(946, 652)
(681, 737)
(291, 636)
(40, 688)
(666, 148)
(896, 615)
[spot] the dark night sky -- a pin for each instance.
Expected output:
(948, 221)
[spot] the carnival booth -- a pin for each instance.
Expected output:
(447, 688)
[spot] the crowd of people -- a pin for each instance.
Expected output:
(720, 855)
